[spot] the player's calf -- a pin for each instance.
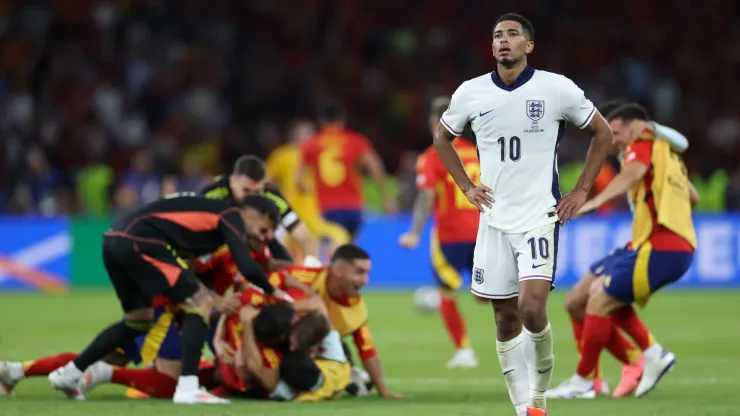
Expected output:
(538, 341)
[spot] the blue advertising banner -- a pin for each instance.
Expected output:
(34, 254)
(583, 241)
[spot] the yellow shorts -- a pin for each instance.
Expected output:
(336, 379)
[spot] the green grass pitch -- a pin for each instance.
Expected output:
(701, 328)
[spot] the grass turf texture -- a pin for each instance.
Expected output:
(701, 328)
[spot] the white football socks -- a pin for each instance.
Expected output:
(540, 357)
(513, 360)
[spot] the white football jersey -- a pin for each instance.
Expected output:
(518, 129)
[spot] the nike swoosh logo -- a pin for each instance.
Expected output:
(544, 371)
(483, 114)
(508, 372)
(537, 266)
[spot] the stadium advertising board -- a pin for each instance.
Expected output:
(50, 254)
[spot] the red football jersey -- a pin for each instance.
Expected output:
(334, 157)
(456, 218)
(641, 151)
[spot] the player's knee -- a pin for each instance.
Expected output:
(575, 304)
(139, 315)
(508, 320)
(534, 314)
(168, 367)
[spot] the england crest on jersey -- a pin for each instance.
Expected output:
(535, 109)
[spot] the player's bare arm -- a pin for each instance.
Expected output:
(693, 194)
(267, 377)
(277, 264)
(423, 205)
(371, 161)
(372, 365)
(300, 179)
(601, 141)
(629, 176)
(202, 301)
(305, 239)
(224, 352)
(478, 195)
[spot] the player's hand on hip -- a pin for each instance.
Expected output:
(409, 240)
(570, 204)
(281, 295)
(481, 196)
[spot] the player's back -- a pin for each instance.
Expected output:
(334, 156)
(187, 223)
(282, 168)
(518, 128)
(456, 218)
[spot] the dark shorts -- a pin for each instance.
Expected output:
(349, 219)
(451, 261)
(636, 275)
(143, 269)
(600, 266)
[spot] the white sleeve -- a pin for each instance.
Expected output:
(331, 348)
(679, 143)
(282, 392)
(574, 106)
(456, 116)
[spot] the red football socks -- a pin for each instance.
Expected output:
(621, 348)
(628, 320)
(578, 337)
(596, 333)
(44, 366)
(146, 380)
(454, 322)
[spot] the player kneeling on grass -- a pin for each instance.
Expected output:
(663, 243)
(139, 252)
(577, 297)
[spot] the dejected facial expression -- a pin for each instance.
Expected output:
(510, 44)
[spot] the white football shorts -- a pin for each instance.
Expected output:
(502, 260)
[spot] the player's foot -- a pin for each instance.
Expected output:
(199, 396)
(8, 379)
(531, 411)
(657, 364)
(67, 380)
(361, 384)
(630, 378)
(132, 393)
(98, 373)
(463, 358)
(575, 387)
(601, 388)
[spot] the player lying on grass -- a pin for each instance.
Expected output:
(662, 247)
(339, 286)
(140, 255)
(456, 227)
(577, 297)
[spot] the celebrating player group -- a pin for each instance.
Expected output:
(195, 269)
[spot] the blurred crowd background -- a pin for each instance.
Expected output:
(108, 104)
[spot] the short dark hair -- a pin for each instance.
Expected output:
(349, 252)
(300, 372)
(608, 107)
(527, 26)
(439, 106)
(332, 111)
(274, 323)
(263, 205)
(310, 329)
(251, 166)
(628, 111)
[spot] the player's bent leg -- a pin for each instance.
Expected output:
(198, 304)
(147, 380)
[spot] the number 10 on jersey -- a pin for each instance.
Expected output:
(515, 148)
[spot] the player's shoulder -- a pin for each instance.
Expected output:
(552, 80)
(474, 85)
(272, 189)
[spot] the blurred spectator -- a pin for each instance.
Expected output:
(200, 83)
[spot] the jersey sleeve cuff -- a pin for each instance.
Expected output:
(290, 221)
(450, 129)
(588, 119)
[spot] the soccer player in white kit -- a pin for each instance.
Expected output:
(518, 115)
